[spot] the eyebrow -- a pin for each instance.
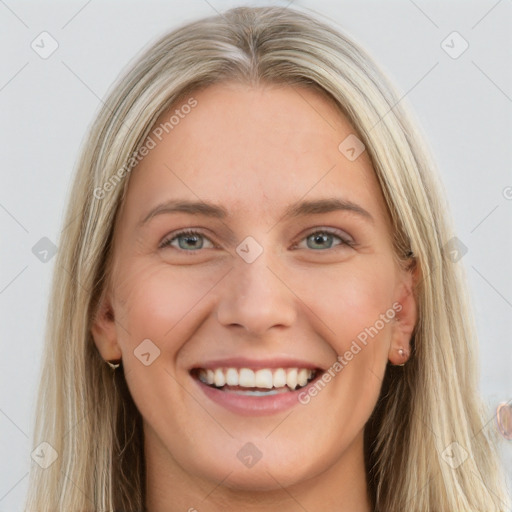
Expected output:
(298, 209)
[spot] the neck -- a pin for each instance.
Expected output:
(340, 488)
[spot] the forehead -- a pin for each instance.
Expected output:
(255, 149)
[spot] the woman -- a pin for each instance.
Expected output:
(254, 306)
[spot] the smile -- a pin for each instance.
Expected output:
(261, 382)
(256, 391)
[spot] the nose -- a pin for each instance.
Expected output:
(257, 296)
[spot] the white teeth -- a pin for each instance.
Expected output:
(291, 378)
(265, 378)
(302, 377)
(246, 378)
(231, 377)
(279, 378)
(220, 380)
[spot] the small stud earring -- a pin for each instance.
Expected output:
(401, 353)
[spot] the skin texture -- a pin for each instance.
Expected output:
(254, 151)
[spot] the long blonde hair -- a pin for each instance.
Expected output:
(85, 412)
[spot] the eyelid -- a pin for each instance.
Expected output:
(166, 241)
(345, 238)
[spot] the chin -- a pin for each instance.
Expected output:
(262, 479)
(265, 475)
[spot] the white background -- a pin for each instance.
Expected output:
(463, 105)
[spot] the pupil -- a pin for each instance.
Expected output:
(321, 238)
(191, 240)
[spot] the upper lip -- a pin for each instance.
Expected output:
(243, 362)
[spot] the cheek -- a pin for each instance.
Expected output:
(352, 302)
(154, 301)
(355, 303)
(367, 306)
(155, 308)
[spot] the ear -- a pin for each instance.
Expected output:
(406, 317)
(103, 330)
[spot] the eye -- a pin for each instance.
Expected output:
(192, 240)
(323, 239)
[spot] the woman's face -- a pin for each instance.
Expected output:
(289, 267)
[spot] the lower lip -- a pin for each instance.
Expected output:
(254, 405)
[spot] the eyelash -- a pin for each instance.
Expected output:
(330, 231)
